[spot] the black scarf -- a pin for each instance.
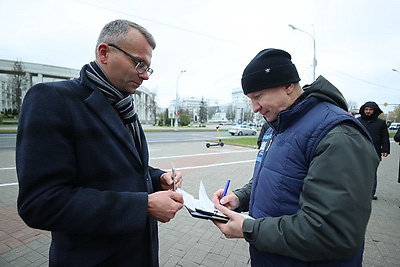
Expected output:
(124, 104)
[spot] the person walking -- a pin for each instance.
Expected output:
(310, 195)
(83, 163)
(397, 139)
(377, 128)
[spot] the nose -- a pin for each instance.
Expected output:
(256, 106)
(145, 75)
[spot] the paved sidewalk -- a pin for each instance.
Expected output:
(186, 241)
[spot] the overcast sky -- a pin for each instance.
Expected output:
(357, 42)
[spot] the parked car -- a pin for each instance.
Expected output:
(242, 130)
(394, 126)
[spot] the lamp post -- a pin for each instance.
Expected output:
(313, 38)
(176, 100)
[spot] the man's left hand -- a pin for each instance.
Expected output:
(167, 181)
(233, 228)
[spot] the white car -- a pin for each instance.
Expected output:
(242, 130)
(394, 126)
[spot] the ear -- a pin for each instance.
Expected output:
(103, 51)
(289, 88)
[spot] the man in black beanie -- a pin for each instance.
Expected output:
(310, 194)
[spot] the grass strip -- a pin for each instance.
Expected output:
(250, 141)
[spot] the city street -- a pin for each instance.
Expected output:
(7, 140)
(186, 241)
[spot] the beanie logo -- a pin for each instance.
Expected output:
(267, 70)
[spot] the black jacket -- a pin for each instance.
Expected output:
(376, 127)
(81, 177)
(397, 139)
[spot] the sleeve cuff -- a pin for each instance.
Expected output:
(248, 230)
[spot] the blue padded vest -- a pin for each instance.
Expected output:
(282, 164)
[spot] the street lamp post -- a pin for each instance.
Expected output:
(176, 100)
(313, 38)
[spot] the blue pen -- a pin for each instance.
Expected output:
(226, 188)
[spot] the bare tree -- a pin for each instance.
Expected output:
(230, 114)
(394, 116)
(17, 82)
(153, 107)
(248, 116)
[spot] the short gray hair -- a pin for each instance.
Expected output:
(115, 31)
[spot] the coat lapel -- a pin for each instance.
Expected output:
(143, 141)
(99, 104)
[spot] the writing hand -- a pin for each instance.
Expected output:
(231, 201)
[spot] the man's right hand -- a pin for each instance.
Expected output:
(231, 201)
(163, 205)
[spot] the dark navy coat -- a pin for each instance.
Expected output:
(81, 177)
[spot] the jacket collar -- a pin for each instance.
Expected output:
(102, 107)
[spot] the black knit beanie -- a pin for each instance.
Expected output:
(270, 68)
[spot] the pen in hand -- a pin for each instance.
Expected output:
(173, 178)
(226, 188)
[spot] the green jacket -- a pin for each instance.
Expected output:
(305, 235)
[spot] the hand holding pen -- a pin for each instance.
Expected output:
(225, 198)
(226, 188)
(225, 203)
(171, 180)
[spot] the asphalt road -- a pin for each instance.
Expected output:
(8, 140)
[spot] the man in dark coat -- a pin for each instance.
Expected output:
(397, 139)
(377, 128)
(83, 162)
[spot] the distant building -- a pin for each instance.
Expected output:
(5, 94)
(39, 73)
(143, 99)
(219, 117)
(242, 107)
(192, 106)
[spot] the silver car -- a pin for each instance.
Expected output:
(242, 130)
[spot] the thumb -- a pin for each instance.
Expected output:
(224, 210)
(178, 197)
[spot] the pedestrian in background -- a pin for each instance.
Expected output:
(397, 139)
(83, 163)
(377, 128)
(310, 195)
